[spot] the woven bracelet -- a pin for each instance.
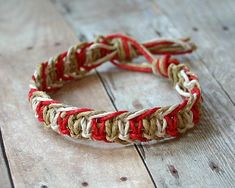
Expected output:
(122, 127)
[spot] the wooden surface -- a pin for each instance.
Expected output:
(32, 31)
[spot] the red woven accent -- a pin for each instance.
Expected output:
(179, 107)
(158, 43)
(171, 128)
(98, 133)
(41, 105)
(60, 67)
(195, 109)
(63, 122)
(196, 114)
(136, 125)
(134, 43)
(44, 66)
(31, 91)
(136, 132)
(126, 49)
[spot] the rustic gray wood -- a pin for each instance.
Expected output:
(31, 32)
(212, 26)
(202, 158)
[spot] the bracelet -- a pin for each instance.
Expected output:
(122, 127)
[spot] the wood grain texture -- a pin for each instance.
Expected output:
(31, 32)
(203, 157)
(212, 26)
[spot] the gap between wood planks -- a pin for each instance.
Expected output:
(139, 148)
(5, 178)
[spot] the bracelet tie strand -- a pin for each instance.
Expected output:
(122, 127)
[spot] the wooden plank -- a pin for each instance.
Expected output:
(211, 24)
(202, 158)
(31, 32)
(5, 179)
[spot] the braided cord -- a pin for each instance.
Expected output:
(123, 127)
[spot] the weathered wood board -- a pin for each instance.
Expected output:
(212, 26)
(202, 158)
(32, 31)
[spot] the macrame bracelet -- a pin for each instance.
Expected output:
(123, 127)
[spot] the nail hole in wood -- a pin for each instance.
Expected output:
(57, 43)
(225, 28)
(158, 33)
(29, 48)
(136, 104)
(195, 29)
(123, 178)
(82, 37)
(84, 184)
(173, 171)
(214, 166)
(67, 8)
(44, 186)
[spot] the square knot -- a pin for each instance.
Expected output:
(161, 65)
(125, 50)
